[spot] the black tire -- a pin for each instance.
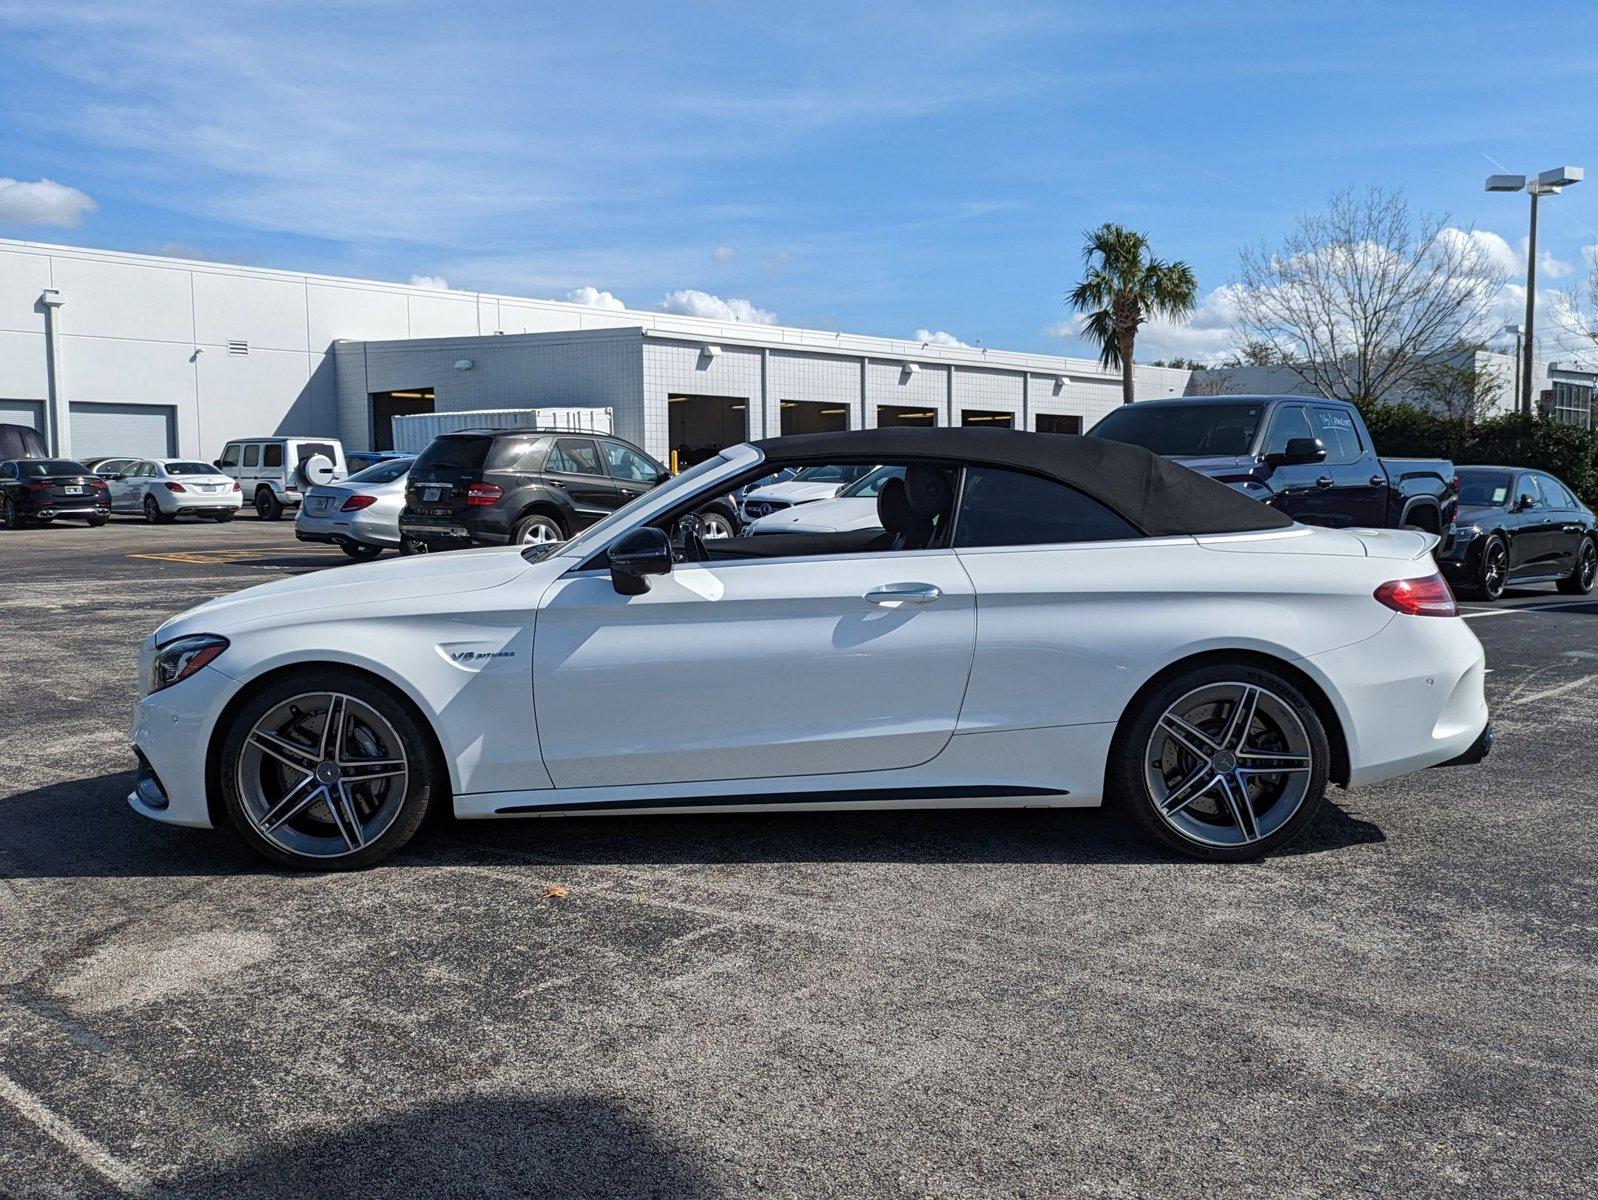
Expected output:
(529, 528)
(1580, 580)
(223, 517)
(1132, 764)
(9, 516)
(153, 513)
(1488, 581)
(267, 506)
(426, 781)
(359, 552)
(410, 546)
(96, 522)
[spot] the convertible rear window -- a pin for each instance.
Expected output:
(1008, 508)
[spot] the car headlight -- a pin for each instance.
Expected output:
(177, 660)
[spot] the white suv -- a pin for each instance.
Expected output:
(274, 473)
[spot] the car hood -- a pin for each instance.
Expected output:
(795, 491)
(841, 515)
(370, 584)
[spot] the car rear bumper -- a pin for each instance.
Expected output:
(49, 512)
(1410, 697)
(336, 529)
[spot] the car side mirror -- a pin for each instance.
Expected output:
(662, 478)
(644, 552)
(1526, 501)
(217, 463)
(1298, 450)
(118, 475)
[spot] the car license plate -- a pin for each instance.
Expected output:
(72, 490)
(431, 493)
(320, 503)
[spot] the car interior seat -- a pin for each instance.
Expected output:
(910, 510)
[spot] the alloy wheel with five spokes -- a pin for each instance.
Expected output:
(321, 776)
(1228, 764)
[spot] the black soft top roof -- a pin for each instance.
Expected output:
(1157, 495)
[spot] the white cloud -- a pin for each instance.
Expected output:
(722, 253)
(43, 202)
(1553, 268)
(594, 298)
(1209, 335)
(437, 282)
(777, 261)
(691, 302)
(927, 338)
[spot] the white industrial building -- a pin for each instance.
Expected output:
(115, 353)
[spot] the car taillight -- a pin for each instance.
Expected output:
(39, 487)
(483, 494)
(356, 503)
(176, 487)
(235, 485)
(97, 484)
(1425, 597)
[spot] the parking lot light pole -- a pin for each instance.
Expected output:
(1548, 183)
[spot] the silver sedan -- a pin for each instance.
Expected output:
(359, 514)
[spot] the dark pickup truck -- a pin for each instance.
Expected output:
(1309, 457)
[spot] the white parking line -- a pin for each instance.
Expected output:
(88, 1151)
(1582, 605)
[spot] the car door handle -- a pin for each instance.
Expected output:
(1378, 480)
(1325, 481)
(904, 593)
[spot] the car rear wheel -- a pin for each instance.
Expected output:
(328, 771)
(9, 516)
(715, 524)
(1223, 763)
(267, 506)
(153, 513)
(96, 522)
(223, 517)
(537, 530)
(1492, 571)
(1580, 580)
(359, 552)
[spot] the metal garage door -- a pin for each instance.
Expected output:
(134, 430)
(22, 412)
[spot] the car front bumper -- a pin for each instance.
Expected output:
(171, 732)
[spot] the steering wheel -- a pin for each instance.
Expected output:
(688, 539)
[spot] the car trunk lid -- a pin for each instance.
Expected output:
(441, 478)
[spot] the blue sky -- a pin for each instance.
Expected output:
(880, 168)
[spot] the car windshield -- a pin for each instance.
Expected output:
(1184, 430)
(869, 487)
(832, 473)
(656, 498)
(190, 468)
(1484, 489)
(37, 468)
(383, 472)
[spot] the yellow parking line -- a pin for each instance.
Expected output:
(207, 558)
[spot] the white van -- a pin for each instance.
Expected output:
(274, 473)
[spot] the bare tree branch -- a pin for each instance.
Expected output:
(1359, 300)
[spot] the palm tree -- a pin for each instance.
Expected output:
(1124, 287)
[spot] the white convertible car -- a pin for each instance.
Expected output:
(1033, 622)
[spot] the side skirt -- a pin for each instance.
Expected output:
(908, 797)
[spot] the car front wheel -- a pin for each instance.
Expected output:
(326, 770)
(1223, 763)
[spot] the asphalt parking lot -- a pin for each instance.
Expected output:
(950, 1004)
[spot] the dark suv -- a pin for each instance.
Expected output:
(526, 486)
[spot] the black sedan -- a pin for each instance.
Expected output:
(1515, 527)
(42, 489)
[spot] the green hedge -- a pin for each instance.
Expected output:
(1403, 431)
